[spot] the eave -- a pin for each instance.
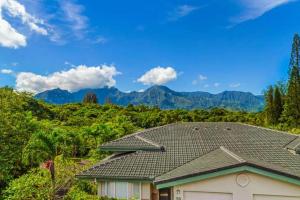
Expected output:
(227, 171)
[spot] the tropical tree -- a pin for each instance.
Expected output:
(100, 133)
(16, 126)
(295, 53)
(278, 104)
(269, 109)
(67, 142)
(90, 97)
(292, 99)
(41, 148)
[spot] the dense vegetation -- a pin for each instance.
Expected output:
(283, 100)
(42, 146)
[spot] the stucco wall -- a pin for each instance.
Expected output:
(246, 186)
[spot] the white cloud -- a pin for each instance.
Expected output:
(216, 84)
(9, 36)
(257, 8)
(202, 77)
(158, 76)
(74, 15)
(234, 85)
(206, 86)
(199, 78)
(68, 63)
(73, 79)
(141, 90)
(101, 40)
(181, 11)
(6, 71)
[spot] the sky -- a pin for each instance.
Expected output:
(187, 45)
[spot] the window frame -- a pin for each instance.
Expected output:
(125, 186)
(105, 184)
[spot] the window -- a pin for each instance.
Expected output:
(136, 190)
(121, 190)
(146, 191)
(103, 189)
(110, 189)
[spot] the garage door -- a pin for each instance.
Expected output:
(206, 196)
(272, 197)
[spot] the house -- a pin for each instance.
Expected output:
(203, 161)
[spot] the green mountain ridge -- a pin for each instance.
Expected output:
(161, 96)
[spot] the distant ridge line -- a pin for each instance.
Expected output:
(163, 97)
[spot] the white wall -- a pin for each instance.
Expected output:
(247, 186)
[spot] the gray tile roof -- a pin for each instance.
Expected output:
(197, 147)
(129, 143)
(218, 159)
(294, 145)
(214, 160)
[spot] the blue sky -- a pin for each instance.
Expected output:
(186, 45)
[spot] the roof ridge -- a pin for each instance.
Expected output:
(268, 129)
(274, 130)
(108, 160)
(147, 140)
(232, 154)
(294, 147)
(138, 132)
(188, 161)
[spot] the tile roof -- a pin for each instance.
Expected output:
(197, 147)
(214, 160)
(294, 145)
(131, 143)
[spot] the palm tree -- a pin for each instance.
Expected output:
(41, 148)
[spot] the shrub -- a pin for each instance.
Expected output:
(82, 190)
(34, 185)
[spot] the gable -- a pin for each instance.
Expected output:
(230, 171)
(241, 185)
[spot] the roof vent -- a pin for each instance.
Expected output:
(196, 128)
(298, 150)
(294, 146)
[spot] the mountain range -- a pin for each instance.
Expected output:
(161, 96)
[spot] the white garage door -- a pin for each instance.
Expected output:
(206, 196)
(272, 197)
